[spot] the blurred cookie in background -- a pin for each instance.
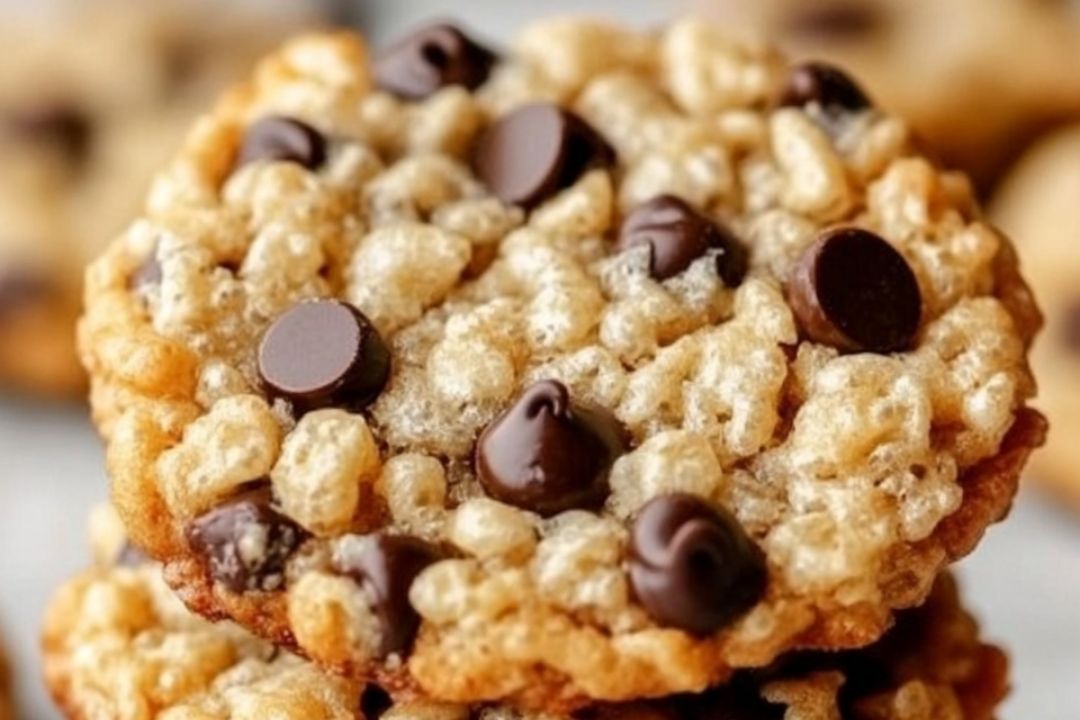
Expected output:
(93, 98)
(977, 79)
(1039, 206)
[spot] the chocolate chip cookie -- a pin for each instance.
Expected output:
(598, 371)
(1037, 204)
(85, 121)
(977, 80)
(117, 645)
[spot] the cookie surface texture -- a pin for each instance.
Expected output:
(468, 410)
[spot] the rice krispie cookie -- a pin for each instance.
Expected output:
(594, 371)
(1038, 205)
(85, 121)
(118, 646)
(945, 65)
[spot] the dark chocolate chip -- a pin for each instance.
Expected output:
(835, 21)
(245, 542)
(147, 274)
(374, 702)
(282, 139)
(324, 353)
(677, 235)
(692, 566)
(1070, 329)
(61, 124)
(385, 566)
(432, 58)
(535, 151)
(549, 454)
(816, 83)
(853, 290)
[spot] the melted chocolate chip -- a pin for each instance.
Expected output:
(385, 566)
(692, 566)
(324, 353)
(60, 124)
(816, 83)
(245, 542)
(1070, 329)
(677, 235)
(532, 153)
(282, 139)
(549, 454)
(853, 290)
(430, 59)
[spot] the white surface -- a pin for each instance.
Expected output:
(1024, 580)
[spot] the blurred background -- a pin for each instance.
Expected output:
(94, 95)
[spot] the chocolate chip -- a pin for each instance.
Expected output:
(692, 566)
(61, 124)
(430, 59)
(535, 151)
(282, 139)
(549, 454)
(1070, 334)
(816, 83)
(324, 353)
(677, 235)
(385, 566)
(835, 21)
(246, 542)
(853, 290)
(374, 702)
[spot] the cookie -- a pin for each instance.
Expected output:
(117, 645)
(85, 121)
(945, 65)
(590, 372)
(1037, 205)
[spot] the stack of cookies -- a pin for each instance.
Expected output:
(617, 375)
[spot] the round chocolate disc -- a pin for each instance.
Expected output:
(324, 353)
(535, 151)
(853, 290)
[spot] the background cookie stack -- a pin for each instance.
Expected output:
(605, 374)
